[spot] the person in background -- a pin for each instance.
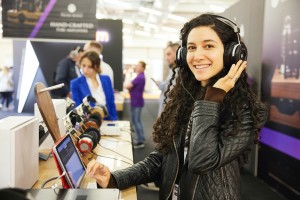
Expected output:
(136, 89)
(94, 84)
(6, 87)
(67, 69)
(208, 126)
(105, 67)
(170, 55)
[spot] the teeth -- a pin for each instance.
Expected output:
(201, 66)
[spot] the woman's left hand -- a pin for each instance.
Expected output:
(227, 82)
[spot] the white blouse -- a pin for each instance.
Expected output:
(97, 93)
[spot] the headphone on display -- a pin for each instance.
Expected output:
(95, 121)
(88, 140)
(233, 51)
(101, 110)
(91, 135)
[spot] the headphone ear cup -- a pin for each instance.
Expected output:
(102, 110)
(241, 52)
(88, 140)
(181, 56)
(228, 58)
(96, 117)
(233, 53)
(96, 133)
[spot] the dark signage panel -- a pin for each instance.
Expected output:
(51, 19)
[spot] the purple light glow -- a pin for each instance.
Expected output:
(42, 18)
(281, 142)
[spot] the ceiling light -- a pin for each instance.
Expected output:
(127, 21)
(177, 18)
(152, 19)
(158, 4)
(148, 25)
(126, 30)
(150, 11)
(127, 37)
(143, 33)
(169, 29)
(161, 36)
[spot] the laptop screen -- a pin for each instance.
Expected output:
(70, 160)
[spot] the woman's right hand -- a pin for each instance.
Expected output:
(228, 82)
(99, 172)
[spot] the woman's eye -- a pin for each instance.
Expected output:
(191, 47)
(208, 46)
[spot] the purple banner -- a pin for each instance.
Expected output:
(49, 19)
(281, 142)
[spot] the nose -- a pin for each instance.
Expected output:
(199, 54)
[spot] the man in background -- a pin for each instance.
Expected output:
(105, 68)
(170, 55)
(67, 69)
(136, 89)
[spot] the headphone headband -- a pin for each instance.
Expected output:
(229, 23)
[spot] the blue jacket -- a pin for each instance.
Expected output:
(80, 90)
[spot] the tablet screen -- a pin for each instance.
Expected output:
(69, 158)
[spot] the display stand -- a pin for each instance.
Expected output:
(48, 113)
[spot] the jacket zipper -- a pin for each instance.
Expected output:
(225, 184)
(176, 170)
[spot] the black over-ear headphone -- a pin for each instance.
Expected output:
(88, 140)
(233, 51)
(95, 121)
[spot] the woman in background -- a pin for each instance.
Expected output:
(94, 84)
(6, 88)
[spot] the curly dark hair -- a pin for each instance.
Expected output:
(179, 101)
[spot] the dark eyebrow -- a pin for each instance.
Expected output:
(210, 41)
(205, 41)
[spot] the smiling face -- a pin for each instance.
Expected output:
(204, 53)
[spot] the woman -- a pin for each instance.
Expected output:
(211, 112)
(91, 83)
(6, 87)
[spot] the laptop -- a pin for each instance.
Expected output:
(69, 162)
(74, 194)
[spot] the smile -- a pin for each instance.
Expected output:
(202, 66)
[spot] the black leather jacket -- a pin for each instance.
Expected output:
(211, 169)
